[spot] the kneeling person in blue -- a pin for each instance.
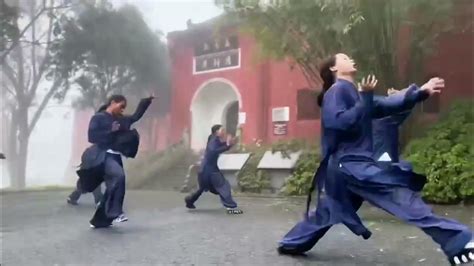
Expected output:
(210, 177)
(349, 174)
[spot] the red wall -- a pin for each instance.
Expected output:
(266, 84)
(262, 85)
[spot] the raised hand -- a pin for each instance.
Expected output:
(368, 83)
(433, 86)
(231, 140)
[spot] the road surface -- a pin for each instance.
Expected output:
(39, 228)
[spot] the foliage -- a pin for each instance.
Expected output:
(249, 177)
(105, 51)
(300, 181)
(254, 180)
(310, 30)
(446, 154)
(8, 30)
(288, 147)
(304, 30)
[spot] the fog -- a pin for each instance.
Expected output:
(51, 161)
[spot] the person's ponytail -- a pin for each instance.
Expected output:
(327, 76)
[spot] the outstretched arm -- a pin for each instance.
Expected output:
(398, 102)
(406, 99)
(141, 109)
(216, 146)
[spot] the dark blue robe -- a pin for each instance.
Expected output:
(348, 174)
(125, 141)
(210, 177)
(98, 165)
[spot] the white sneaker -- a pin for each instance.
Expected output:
(122, 218)
(464, 257)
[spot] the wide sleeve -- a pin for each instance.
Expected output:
(399, 102)
(99, 132)
(338, 112)
(141, 109)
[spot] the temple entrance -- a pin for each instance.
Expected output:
(216, 102)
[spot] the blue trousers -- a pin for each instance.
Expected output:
(112, 204)
(401, 202)
(76, 194)
(216, 184)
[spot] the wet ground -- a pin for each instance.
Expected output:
(39, 228)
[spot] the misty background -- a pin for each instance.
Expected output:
(50, 147)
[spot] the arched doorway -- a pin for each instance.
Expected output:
(217, 101)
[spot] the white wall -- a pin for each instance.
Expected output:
(207, 109)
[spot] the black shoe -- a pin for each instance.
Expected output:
(71, 202)
(189, 205)
(291, 252)
(463, 258)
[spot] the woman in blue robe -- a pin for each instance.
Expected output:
(348, 174)
(112, 137)
(210, 177)
(125, 122)
(385, 132)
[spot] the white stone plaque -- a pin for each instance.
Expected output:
(232, 161)
(277, 161)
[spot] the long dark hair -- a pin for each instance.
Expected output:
(214, 129)
(327, 76)
(116, 98)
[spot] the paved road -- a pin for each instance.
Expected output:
(38, 228)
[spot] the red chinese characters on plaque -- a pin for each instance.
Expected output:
(280, 118)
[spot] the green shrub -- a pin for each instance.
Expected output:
(253, 180)
(300, 181)
(250, 178)
(446, 156)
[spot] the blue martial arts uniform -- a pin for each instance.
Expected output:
(210, 177)
(100, 165)
(348, 174)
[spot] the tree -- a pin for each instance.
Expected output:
(305, 31)
(104, 51)
(369, 30)
(28, 31)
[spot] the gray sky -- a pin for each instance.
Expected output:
(171, 15)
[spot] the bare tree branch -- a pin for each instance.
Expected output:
(29, 25)
(32, 90)
(33, 48)
(9, 90)
(42, 106)
(8, 71)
